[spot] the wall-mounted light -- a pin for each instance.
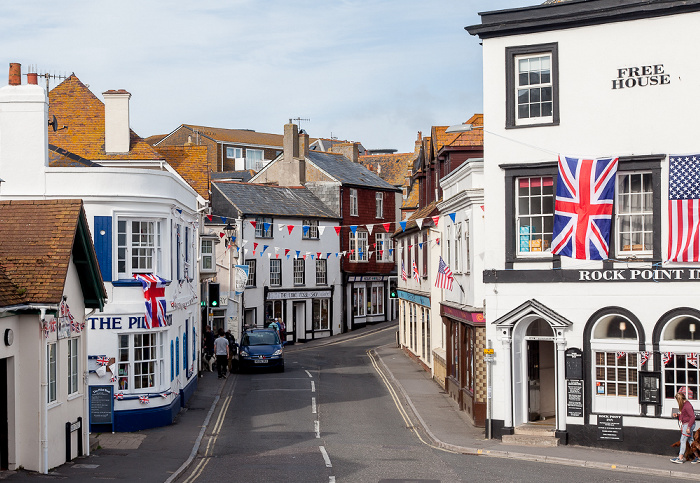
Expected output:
(691, 327)
(623, 326)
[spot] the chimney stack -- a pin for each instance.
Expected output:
(349, 150)
(293, 166)
(24, 151)
(303, 145)
(117, 132)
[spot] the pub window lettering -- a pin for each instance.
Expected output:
(641, 76)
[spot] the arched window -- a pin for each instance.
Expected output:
(679, 348)
(615, 363)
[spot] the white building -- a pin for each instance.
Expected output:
(600, 78)
(288, 240)
(143, 217)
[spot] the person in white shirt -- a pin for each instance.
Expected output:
(221, 351)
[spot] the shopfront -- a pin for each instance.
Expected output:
(307, 314)
(370, 299)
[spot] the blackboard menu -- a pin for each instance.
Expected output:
(610, 427)
(649, 388)
(101, 404)
(574, 363)
(574, 398)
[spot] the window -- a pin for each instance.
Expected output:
(251, 273)
(188, 268)
(207, 252)
(634, 214)
(415, 253)
(321, 271)
(254, 159)
(138, 247)
(263, 227)
(309, 230)
(532, 93)
(425, 254)
(299, 271)
(320, 314)
(140, 359)
(358, 300)
(358, 246)
(380, 204)
(73, 366)
(51, 372)
(534, 211)
(353, 202)
(375, 306)
(448, 248)
(679, 372)
(384, 246)
(467, 251)
(458, 246)
(178, 252)
(423, 337)
(615, 374)
(678, 346)
(275, 271)
(234, 152)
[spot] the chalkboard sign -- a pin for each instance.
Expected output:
(574, 398)
(574, 363)
(649, 388)
(610, 427)
(101, 405)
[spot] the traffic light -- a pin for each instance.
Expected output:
(213, 295)
(392, 290)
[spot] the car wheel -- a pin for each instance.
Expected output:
(281, 368)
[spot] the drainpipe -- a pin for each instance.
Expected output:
(86, 421)
(44, 467)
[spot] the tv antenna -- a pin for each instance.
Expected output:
(298, 120)
(48, 76)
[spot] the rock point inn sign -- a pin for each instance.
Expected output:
(604, 275)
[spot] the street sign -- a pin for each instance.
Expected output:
(488, 351)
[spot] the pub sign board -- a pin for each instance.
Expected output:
(574, 398)
(101, 405)
(649, 388)
(610, 427)
(574, 363)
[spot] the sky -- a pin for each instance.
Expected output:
(373, 71)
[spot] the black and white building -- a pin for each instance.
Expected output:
(597, 348)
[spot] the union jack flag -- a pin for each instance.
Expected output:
(644, 357)
(113, 378)
(620, 354)
(164, 394)
(103, 360)
(692, 359)
(144, 399)
(666, 357)
(416, 274)
(583, 208)
(404, 276)
(154, 293)
(444, 277)
(119, 396)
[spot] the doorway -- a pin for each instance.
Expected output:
(4, 426)
(298, 320)
(541, 381)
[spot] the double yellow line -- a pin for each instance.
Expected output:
(399, 406)
(209, 450)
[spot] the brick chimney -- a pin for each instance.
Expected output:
(117, 133)
(303, 144)
(293, 166)
(24, 113)
(349, 150)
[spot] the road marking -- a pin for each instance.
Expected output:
(313, 405)
(325, 457)
(317, 428)
(331, 479)
(308, 373)
(313, 386)
(349, 339)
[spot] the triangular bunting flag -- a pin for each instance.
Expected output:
(353, 228)
(298, 252)
(453, 217)
(223, 219)
(318, 254)
(419, 222)
(403, 225)
(280, 226)
(286, 251)
(209, 217)
(305, 230)
(328, 255)
(435, 220)
(370, 228)
(255, 245)
(337, 230)
(321, 229)
(254, 223)
(386, 226)
(290, 228)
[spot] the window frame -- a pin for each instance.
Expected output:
(379, 199)
(321, 271)
(276, 274)
(360, 237)
(126, 358)
(544, 251)
(207, 254)
(312, 233)
(317, 311)
(383, 243)
(619, 252)
(233, 149)
(425, 255)
(251, 262)
(299, 271)
(376, 300)
(156, 249)
(51, 372)
(250, 163)
(73, 365)
(515, 53)
(359, 307)
(354, 208)
(260, 231)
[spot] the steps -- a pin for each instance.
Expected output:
(532, 435)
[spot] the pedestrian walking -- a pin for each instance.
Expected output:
(231, 349)
(686, 417)
(221, 349)
(283, 329)
(274, 325)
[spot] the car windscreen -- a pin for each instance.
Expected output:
(260, 338)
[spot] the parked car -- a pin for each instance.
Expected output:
(260, 348)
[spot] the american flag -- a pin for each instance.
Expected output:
(404, 276)
(583, 208)
(154, 293)
(416, 274)
(444, 277)
(684, 208)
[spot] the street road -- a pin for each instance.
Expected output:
(334, 416)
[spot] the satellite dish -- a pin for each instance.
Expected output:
(53, 123)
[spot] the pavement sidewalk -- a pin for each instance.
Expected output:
(449, 428)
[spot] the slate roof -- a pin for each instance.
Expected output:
(81, 120)
(425, 212)
(243, 176)
(236, 136)
(38, 239)
(191, 163)
(324, 145)
(234, 199)
(394, 167)
(347, 172)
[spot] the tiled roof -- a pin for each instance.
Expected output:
(243, 176)
(392, 168)
(191, 163)
(413, 197)
(81, 120)
(156, 138)
(259, 199)
(475, 137)
(60, 158)
(347, 172)
(425, 212)
(238, 136)
(324, 144)
(37, 241)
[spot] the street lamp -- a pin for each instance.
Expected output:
(230, 232)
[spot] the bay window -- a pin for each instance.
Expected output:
(138, 247)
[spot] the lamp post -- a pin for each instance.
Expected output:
(230, 232)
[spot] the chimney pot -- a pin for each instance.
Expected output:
(33, 78)
(15, 74)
